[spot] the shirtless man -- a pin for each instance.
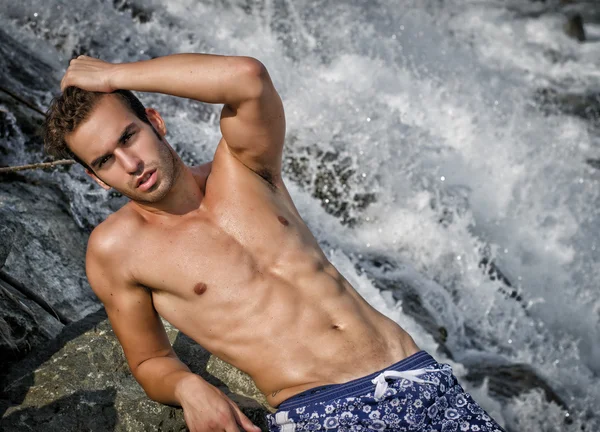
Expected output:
(221, 252)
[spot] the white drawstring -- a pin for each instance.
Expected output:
(381, 384)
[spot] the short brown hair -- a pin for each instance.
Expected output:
(71, 108)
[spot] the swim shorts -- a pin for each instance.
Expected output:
(415, 394)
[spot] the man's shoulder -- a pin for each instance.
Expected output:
(113, 237)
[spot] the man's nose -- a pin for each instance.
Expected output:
(131, 163)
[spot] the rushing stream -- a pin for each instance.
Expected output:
(419, 150)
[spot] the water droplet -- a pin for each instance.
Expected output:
(368, 119)
(368, 244)
(401, 27)
(505, 250)
(458, 257)
(510, 341)
(442, 178)
(35, 14)
(394, 36)
(364, 175)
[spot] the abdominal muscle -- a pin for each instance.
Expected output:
(290, 337)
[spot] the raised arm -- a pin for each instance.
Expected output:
(252, 121)
(149, 354)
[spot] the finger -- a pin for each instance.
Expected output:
(63, 83)
(66, 81)
(231, 426)
(241, 418)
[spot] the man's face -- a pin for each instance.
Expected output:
(124, 152)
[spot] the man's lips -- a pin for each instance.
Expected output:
(146, 180)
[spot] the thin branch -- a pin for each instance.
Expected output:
(36, 166)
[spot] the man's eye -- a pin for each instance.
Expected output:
(126, 137)
(103, 161)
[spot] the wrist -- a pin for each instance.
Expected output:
(113, 77)
(187, 384)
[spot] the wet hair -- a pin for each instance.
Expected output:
(71, 108)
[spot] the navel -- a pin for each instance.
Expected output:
(283, 220)
(200, 288)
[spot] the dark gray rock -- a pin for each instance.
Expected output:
(333, 180)
(574, 27)
(583, 105)
(47, 259)
(7, 236)
(43, 278)
(24, 325)
(81, 381)
(506, 381)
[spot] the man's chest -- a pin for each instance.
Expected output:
(216, 255)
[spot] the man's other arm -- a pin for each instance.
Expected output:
(252, 120)
(149, 354)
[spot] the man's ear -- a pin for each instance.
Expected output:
(157, 121)
(96, 179)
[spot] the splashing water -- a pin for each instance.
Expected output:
(413, 135)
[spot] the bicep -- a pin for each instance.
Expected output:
(133, 318)
(254, 130)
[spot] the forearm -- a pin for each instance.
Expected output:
(204, 77)
(162, 377)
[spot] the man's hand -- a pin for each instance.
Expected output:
(206, 408)
(90, 74)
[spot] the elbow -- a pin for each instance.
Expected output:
(255, 76)
(253, 68)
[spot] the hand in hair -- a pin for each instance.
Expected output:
(88, 73)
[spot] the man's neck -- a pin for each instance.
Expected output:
(185, 196)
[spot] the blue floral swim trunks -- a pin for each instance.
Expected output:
(415, 394)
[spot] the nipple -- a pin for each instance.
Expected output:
(200, 288)
(283, 220)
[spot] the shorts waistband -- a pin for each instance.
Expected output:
(356, 387)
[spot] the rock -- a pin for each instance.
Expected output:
(331, 178)
(574, 27)
(585, 106)
(589, 10)
(138, 13)
(7, 235)
(594, 163)
(23, 75)
(81, 381)
(44, 282)
(24, 325)
(506, 381)
(47, 259)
